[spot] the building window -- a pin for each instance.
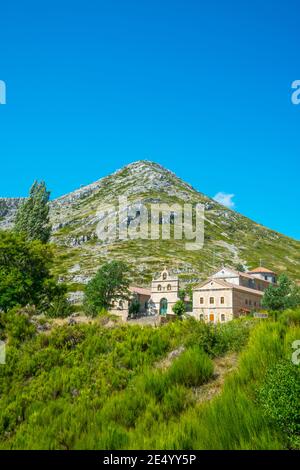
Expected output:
(266, 278)
(246, 301)
(169, 287)
(250, 302)
(222, 317)
(159, 287)
(211, 300)
(164, 276)
(254, 304)
(222, 300)
(201, 300)
(121, 304)
(201, 317)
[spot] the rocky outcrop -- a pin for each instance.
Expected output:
(8, 209)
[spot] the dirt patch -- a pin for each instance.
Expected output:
(222, 367)
(167, 361)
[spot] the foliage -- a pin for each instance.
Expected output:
(134, 307)
(179, 308)
(111, 282)
(192, 368)
(25, 276)
(182, 294)
(32, 219)
(279, 396)
(91, 387)
(17, 326)
(285, 294)
(24, 268)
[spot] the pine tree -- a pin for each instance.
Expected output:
(32, 218)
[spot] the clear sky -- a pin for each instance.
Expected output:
(203, 88)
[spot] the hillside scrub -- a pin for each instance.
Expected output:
(90, 387)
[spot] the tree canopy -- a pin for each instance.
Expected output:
(25, 276)
(283, 295)
(111, 282)
(32, 217)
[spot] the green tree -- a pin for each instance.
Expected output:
(24, 267)
(25, 277)
(182, 294)
(285, 294)
(179, 308)
(111, 282)
(32, 217)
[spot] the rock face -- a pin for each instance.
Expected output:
(8, 209)
(230, 238)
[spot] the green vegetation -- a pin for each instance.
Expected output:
(25, 276)
(111, 282)
(179, 308)
(32, 218)
(281, 296)
(91, 387)
(280, 398)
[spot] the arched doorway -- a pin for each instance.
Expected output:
(163, 307)
(211, 318)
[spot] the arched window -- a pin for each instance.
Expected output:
(164, 276)
(201, 318)
(169, 287)
(222, 317)
(159, 287)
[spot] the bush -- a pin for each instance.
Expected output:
(60, 307)
(279, 397)
(179, 308)
(192, 368)
(18, 326)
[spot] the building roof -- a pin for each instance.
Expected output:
(241, 274)
(227, 285)
(261, 269)
(140, 290)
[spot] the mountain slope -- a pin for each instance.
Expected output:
(230, 238)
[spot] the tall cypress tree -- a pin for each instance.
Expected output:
(32, 217)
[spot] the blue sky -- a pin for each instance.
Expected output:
(203, 88)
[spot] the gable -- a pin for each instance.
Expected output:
(225, 272)
(212, 284)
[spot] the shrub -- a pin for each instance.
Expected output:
(18, 326)
(192, 368)
(179, 308)
(279, 397)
